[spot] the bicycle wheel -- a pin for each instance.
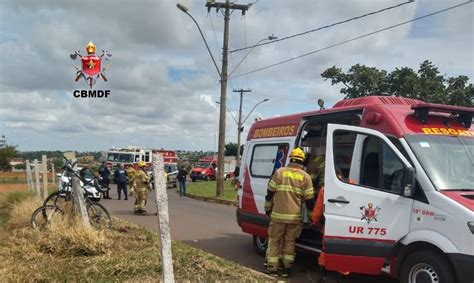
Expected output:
(99, 217)
(57, 198)
(44, 215)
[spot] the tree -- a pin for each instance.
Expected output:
(6, 154)
(231, 149)
(426, 84)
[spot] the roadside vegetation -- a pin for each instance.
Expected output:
(208, 189)
(69, 251)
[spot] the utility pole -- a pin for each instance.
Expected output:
(227, 6)
(239, 123)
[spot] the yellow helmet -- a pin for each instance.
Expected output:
(297, 154)
(142, 164)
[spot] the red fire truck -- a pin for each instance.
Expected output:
(409, 208)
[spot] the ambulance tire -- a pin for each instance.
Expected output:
(426, 265)
(260, 245)
(193, 179)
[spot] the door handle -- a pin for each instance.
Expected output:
(331, 200)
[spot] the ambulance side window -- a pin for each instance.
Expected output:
(266, 158)
(380, 167)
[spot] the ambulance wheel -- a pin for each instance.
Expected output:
(193, 179)
(426, 266)
(260, 245)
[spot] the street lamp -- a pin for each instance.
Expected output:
(240, 123)
(270, 37)
(185, 10)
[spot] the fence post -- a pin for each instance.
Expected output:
(37, 182)
(78, 197)
(53, 172)
(163, 219)
(44, 164)
(28, 176)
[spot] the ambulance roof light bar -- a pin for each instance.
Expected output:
(464, 114)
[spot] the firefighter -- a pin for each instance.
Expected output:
(131, 172)
(140, 183)
(287, 189)
(316, 166)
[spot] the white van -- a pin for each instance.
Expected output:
(409, 211)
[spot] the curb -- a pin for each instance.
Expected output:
(213, 200)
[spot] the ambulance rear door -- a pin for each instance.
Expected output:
(366, 212)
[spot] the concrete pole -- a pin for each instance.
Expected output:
(53, 172)
(78, 197)
(79, 203)
(163, 219)
(28, 176)
(37, 181)
(223, 104)
(44, 166)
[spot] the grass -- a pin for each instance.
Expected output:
(69, 251)
(208, 189)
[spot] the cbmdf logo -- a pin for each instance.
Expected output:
(93, 67)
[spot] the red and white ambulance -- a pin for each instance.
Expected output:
(409, 208)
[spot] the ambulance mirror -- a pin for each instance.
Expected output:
(408, 182)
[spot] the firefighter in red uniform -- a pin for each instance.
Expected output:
(287, 190)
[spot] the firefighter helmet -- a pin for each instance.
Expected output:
(297, 154)
(142, 164)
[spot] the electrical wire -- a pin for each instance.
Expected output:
(324, 27)
(349, 40)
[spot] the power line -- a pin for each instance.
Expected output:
(324, 27)
(349, 40)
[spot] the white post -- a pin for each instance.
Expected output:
(28, 176)
(53, 172)
(78, 197)
(163, 219)
(44, 164)
(37, 182)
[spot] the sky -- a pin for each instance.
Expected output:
(163, 84)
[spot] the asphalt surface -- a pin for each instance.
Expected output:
(212, 227)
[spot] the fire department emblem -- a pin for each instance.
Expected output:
(369, 213)
(91, 65)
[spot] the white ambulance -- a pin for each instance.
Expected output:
(409, 208)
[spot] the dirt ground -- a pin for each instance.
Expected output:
(12, 187)
(16, 181)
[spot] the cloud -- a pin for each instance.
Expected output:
(163, 83)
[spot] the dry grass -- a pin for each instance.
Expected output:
(68, 251)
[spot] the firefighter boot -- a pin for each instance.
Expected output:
(286, 272)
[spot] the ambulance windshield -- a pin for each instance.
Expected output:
(448, 160)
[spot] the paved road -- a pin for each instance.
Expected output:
(213, 228)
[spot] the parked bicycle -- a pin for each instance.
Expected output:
(56, 203)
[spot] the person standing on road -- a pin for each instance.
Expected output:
(104, 173)
(141, 184)
(131, 172)
(120, 177)
(182, 174)
(287, 189)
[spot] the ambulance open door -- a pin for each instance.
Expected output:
(368, 204)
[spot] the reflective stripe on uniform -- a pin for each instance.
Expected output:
(309, 193)
(290, 258)
(272, 184)
(288, 188)
(285, 216)
(293, 175)
(272, 259)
